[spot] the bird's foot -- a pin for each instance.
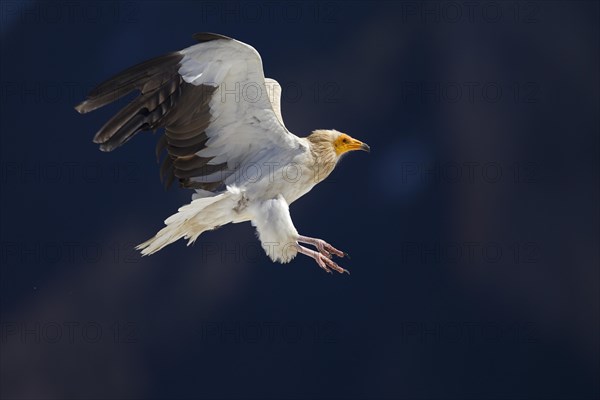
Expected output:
(324, 248)
(328, 264)
(324, 261)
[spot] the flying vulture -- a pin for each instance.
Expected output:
(225, 138)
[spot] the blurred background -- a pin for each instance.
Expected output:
(473, 225)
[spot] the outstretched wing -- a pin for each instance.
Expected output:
(214, 104)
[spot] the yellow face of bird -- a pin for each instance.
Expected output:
(344, 143)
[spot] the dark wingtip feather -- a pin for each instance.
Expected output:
(160, 146)
(150, 72)
(80, 108)
(202, 37)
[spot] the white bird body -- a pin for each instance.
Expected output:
(225, 138)
(264, 199)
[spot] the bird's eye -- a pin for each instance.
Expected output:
(345, 141)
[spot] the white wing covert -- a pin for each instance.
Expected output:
(274, 93)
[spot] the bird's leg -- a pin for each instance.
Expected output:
(324, 261)
(323, 247)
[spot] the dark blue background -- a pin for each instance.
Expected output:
(513, 315)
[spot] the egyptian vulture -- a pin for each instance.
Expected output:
(223, 137)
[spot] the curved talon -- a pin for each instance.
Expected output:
(331, 264)
(332, 250)
(324, 261)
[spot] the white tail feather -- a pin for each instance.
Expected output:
(192, 220)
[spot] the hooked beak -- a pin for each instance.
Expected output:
(357, 145)
(346, 143)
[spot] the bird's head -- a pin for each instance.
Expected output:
(336, 143)
(328, 147)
